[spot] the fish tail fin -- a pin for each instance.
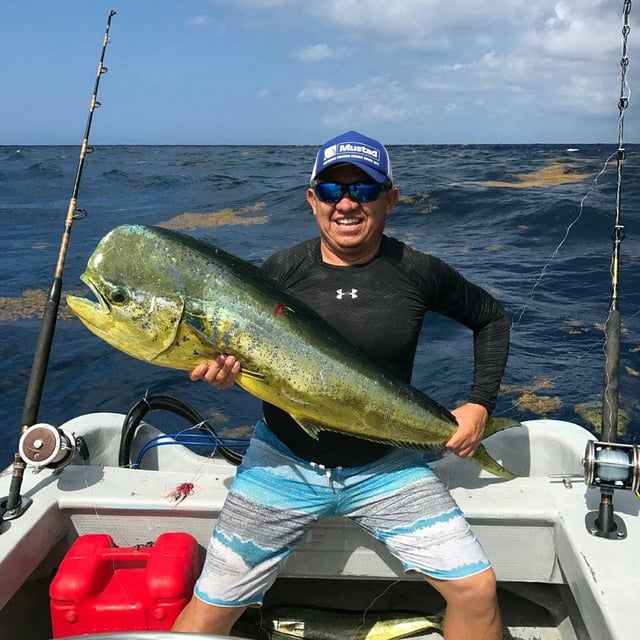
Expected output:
(499, 424)
(437, 620)
(482, 458)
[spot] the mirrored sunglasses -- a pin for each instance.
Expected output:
(333, 192)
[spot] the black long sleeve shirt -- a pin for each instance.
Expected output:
(380, 307)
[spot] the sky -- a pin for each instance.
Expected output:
(302, 71)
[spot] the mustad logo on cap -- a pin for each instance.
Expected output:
(350, 151)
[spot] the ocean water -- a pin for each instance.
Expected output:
(531, 223)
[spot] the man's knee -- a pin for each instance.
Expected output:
(478, 591)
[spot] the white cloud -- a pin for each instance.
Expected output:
(316, 91)
(419, 60)
(320, 52)
(201, 21)
(571, 32)
(377, 100)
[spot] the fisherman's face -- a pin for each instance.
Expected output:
(350, 232)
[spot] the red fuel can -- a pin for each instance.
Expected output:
(103, 588)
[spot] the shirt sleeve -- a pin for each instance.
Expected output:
(472, 306)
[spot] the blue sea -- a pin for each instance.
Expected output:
(531, 223)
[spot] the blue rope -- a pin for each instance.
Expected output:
(193, 439)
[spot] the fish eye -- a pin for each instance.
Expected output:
(119, 295)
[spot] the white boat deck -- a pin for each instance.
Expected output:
(533, 527)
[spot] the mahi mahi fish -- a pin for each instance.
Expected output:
(169, 299)
(282, 622)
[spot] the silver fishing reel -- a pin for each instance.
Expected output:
(609, 466)
(612, 465)
(42, 445)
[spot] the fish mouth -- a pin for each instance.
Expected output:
(102, 302)
(93, 313)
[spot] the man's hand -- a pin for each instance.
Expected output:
(219, 373)
(471, 421)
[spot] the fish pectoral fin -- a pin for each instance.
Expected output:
(310, 427)
(166, 335)
(190, 339)
(254, 375)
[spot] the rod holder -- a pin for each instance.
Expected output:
(14, 505)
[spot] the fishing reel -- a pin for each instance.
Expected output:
(612, 465)
(42, 445)
(609, 466)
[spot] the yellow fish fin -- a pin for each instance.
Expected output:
(498, 424)
(483, 459)
(254, 375)
(310, 427)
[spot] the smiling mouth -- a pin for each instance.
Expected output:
(348, 222)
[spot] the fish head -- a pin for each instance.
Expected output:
(136, 322)
(139, 304)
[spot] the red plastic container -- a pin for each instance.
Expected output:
(103, 588)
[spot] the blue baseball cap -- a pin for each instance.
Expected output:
(356, 149)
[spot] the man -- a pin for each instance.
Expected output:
(375, 291)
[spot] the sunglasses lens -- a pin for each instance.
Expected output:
(330, 192)
(364, 191)
(333, 192)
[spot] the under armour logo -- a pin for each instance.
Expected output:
(353, 293)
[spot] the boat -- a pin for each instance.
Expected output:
(88, 506)
(557, 580)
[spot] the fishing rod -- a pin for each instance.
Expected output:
(612, 325)
(609, 465)
(48, 438)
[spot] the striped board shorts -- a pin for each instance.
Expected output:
(276, 497)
